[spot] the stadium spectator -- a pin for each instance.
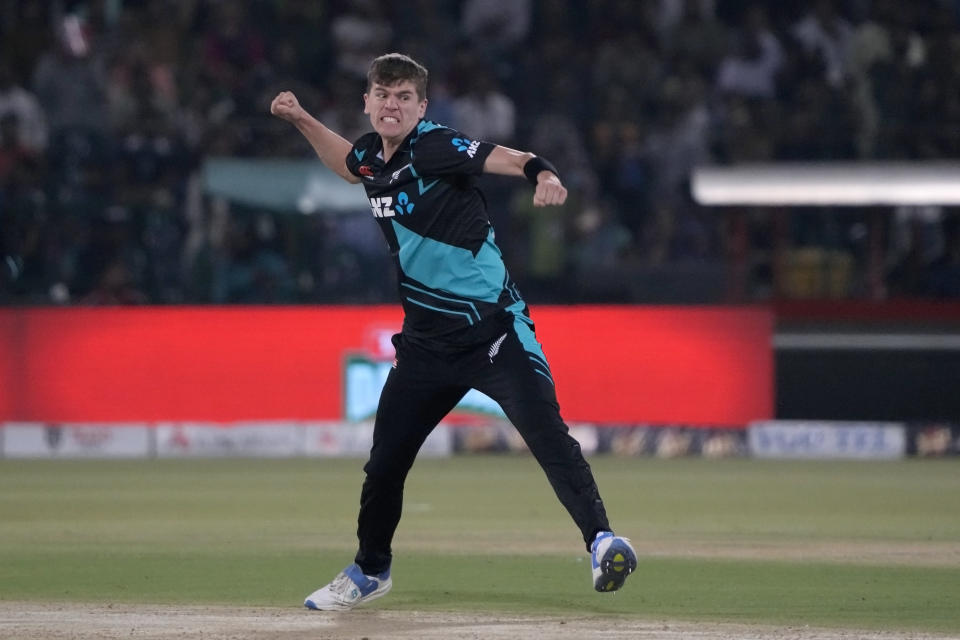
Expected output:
(944, 270)
(870, 44)
(679, 137)
(232, 46)
(70, 82)
(696, 35)
(482, 108)
(359, 32)
(496, 26)
(893, 80)
(824, 34)
(600, 248)
(13, 152)
(114, 286)
(250, 269)
(18, 102)
(750, 68)
(25, 35)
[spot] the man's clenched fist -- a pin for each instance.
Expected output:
(286, 106)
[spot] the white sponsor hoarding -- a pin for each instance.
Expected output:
(241, 439)
(337, 439)
(821, 439)
(69, 440)
(347, 440)
(255, 438)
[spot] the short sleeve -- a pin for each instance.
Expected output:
(358, 155)
(445, 151)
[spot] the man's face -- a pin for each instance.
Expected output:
(395, 110)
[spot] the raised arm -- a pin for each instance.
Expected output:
(510, 162)
(330, 146)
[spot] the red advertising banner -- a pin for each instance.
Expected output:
(690, 365)
(9, 362)
(687, 365)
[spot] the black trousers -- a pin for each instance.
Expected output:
(426, 384)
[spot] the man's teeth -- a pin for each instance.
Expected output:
(390, 119)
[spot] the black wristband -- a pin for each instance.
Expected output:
(535, 165)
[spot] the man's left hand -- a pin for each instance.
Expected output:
(549, 190)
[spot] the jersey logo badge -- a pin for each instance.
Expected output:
(365, 171)
(382, 207)
(396, 174)
(495, 347)
(463, 144)
(403, 203)
(385, 207)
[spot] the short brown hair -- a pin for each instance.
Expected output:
(391, 68)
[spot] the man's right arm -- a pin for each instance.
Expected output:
(331, 148)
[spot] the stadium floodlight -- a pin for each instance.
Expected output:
(850, 184)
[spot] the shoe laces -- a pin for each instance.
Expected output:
(342, 584)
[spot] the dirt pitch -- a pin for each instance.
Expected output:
(37, 621)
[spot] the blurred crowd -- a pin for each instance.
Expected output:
(110, 108)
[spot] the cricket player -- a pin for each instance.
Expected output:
(465, 323)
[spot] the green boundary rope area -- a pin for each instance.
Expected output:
(486, 534)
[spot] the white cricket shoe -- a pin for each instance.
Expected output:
(350, 588)
(612, 559)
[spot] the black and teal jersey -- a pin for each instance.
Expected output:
(451, 273)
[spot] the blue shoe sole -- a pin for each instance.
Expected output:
(616, 564)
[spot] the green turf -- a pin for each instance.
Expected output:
(266, 532)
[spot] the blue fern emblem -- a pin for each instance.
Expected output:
(403, 204)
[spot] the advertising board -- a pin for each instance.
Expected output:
(823, 439)
(59, 440)
(698, 366)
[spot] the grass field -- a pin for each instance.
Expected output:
(840, 544)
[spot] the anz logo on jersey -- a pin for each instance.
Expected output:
(462, 144)
(385, 207)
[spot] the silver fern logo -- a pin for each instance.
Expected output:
(495, 347)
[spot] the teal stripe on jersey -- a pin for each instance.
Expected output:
(521, 326)
(448, 299)
(450, 311)
(545, 375)
(444, 267)
(426, 125)
(422, 187)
